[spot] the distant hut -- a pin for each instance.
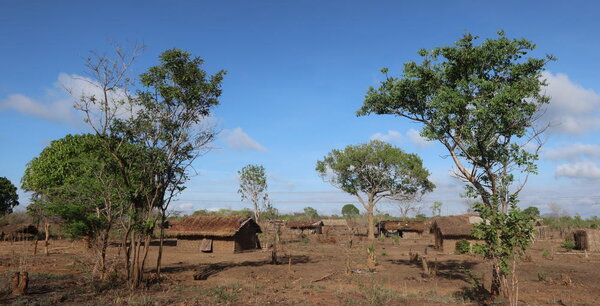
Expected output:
(218, 234)
(411, 229)
(404, 229)
(388, 228)
(18, 231)
(450, 229)
(311, 227)
(336, 227)
(587, 239)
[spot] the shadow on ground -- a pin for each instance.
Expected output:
(203, 272)
(449, 269)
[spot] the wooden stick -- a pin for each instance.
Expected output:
(324, 277)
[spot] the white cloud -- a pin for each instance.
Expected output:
(579, 170)
(572, 109)
(417, 139)
(57, 111)
(186, 206)
(391, 137)
(58, 103)
(574, 152)
(238, 140)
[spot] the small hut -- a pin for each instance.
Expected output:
(18, 231)
(218, 234)
(387, 228)
(336, 227)
(587, 239)
(450, 229)
(311, 227)
(411, 229)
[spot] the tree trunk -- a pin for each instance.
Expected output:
(499, 282)
(371, 226)
(161, 239)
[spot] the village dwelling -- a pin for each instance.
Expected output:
(217, 234)
(18, 231)
(336, 227)
(450, 229)
(403, 229)
(311, 227)
(587, 239)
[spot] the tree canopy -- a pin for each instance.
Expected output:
(373, 171)
(76, 179)
(350, 211)
(8, 196)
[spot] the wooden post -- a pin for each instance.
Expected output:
(425, 265)
(46, 241)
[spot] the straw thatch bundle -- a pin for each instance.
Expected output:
(587, 239)
(459, 226)
(209, 225)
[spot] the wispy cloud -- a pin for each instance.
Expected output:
(573, 152)
(238, 140)
(416, 138)
(390, 136)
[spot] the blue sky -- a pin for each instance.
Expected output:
(297, 72)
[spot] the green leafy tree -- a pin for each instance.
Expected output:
(481, 103)
(532, 212)
(253, 188)
(8, 196)
(75, 179)
(349, 211)
(311, 213)
(373, 171)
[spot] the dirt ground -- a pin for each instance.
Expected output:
(311, 273)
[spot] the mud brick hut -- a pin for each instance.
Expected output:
(450, 229)
(587, 239)
(217, 234)
(305, 227)
(336, 227)
(18, 231)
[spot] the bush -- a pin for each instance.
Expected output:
(569, 245)
(463, 246)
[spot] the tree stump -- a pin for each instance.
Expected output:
(19, 283)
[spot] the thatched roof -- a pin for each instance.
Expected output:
(209, 225)
(335, 222)
(19, 228)
(455, 226)
(404, 226)
(303, 224)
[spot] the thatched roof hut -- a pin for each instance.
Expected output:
(449, 229)
(587, 239)
(16, 230)
(218, 233)
(391, 228)
(313, 226)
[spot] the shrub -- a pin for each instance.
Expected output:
(569, 245)
(545, 253)
(463, 246)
